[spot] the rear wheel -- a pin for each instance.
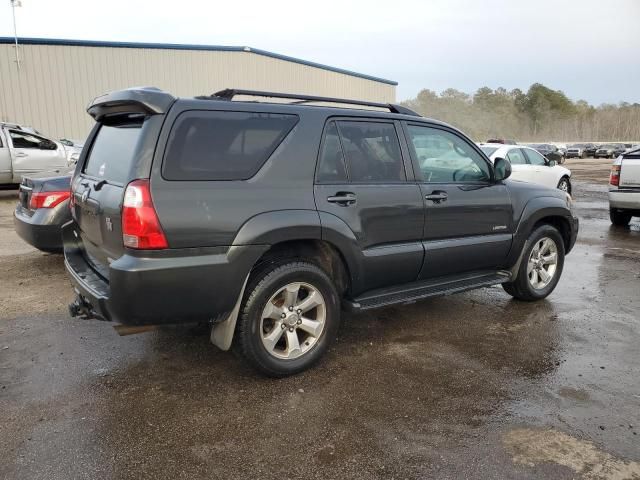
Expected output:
(619, 217)
(289, 318)
(565, 185)
(541, 265)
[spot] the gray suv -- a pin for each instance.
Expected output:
(267, 219)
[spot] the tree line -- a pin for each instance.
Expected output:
(540, 114)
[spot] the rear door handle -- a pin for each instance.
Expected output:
(343, 198)
(436, 196)
(21, 154)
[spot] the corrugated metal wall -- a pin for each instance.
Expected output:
(56, 82)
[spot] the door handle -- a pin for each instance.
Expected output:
(437, 196)
(343, 198)
(21, 154)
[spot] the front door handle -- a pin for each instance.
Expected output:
(21, 154)
(343, 198)
(437, 196)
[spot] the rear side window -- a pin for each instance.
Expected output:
(112, 152)
(223, 145)
(372, 152)
(331, 168)
(516, 157)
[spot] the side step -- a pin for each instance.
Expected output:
(431, 288)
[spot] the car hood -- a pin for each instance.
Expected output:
(532, 190)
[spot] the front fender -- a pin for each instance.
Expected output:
(535, 210)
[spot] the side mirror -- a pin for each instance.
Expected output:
(501, 169)
(551, 163)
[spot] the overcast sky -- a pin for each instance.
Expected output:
(590, 49)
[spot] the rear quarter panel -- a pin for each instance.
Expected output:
(212, 213)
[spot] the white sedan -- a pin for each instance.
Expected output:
(530, 166)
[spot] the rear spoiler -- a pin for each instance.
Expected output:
(145, 100)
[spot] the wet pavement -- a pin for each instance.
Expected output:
(469, 386)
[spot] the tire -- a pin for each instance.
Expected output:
(565, 185)
(522, 288)
(267, 287)
(619, 217)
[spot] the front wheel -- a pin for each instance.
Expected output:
(565, 185)
(541, 265)
(290, 316)
(619, 217)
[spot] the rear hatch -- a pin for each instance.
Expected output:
(630, 170)
(99, 187)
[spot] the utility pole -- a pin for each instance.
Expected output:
(14, 5)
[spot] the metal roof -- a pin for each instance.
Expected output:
(179, 46)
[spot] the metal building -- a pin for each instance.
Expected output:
(54, 80)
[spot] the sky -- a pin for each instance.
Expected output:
(590, 49)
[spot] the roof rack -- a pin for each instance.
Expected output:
(229, 93)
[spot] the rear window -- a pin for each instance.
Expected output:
(112, 152)
(223, 145)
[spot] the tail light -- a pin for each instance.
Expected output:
(47, 199)
(140, 225)
(614, 178)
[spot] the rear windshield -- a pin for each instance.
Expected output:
(223, 145)
(112, 152)
(488, 151)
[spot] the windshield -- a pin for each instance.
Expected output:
(578, 145)
(488, 150)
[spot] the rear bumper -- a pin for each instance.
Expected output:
(170, 286)
(627, 199)
(43, 228)
(574, 154)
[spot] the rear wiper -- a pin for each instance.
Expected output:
(99, 185)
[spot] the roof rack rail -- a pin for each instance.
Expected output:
(229, 93)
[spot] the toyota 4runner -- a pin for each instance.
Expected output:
(266, 219)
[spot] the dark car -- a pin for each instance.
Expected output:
(590, 149)
(42, 209)
(502, 141)
(550, 151)
(610, 150)
(265, 219)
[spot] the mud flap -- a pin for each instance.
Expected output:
(222, 332)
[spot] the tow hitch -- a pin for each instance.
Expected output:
(83, 309)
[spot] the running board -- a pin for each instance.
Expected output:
(414, 291)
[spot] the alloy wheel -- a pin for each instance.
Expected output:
(543, 263)
(293, 320)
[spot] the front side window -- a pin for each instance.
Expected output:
(534, 157)
(446, 158)
(26, 140)
(516, 157)
(223, 145)
(331, 167)
(372, 152)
